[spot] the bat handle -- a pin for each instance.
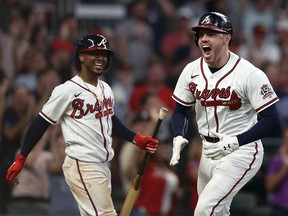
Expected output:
(143, 164)
(147, 155)
(157, 128)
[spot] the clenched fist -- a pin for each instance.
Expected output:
(147, 143)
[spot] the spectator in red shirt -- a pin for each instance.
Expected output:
(154, 84)
(159, 186)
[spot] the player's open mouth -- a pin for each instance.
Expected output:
(99, 64)
(206, 50)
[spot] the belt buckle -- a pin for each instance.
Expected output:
(211, 139)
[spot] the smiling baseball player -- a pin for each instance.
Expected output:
(84, 106)
(235, 107)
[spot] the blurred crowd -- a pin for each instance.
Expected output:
(152, 44)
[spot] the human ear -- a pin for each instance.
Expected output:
(81, 57)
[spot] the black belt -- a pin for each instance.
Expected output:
(211, 139)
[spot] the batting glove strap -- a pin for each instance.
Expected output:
(225, 146)
(15, 169)
(178, 144)
(147, 143)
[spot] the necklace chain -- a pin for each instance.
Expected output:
(100, 100)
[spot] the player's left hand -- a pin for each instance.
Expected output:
(225, 146)
(178, 144)
(147, 143)
(15, 169)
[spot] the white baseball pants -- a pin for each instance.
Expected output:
(90, 184)
(220, 180)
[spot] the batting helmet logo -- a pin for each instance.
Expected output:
(103, 42)
(206, 20)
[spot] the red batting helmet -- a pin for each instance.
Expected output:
(93, 42)
(214, 21)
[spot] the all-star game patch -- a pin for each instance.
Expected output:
(266, 91)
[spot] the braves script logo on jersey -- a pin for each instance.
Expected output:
(80, 109)
(266, 91)
(233, 101)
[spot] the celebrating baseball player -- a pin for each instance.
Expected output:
(235, 107)
(84, 106)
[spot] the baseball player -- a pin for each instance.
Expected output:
(84, 106)
(228, 94)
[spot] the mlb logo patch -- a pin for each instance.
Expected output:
(266, 91)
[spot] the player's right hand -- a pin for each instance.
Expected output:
(225, 146)
(178, 144)
(147, 143)
(15, 169)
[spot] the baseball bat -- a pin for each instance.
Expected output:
(134, 189)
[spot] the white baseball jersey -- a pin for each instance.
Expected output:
(86, 123)
(227, 101)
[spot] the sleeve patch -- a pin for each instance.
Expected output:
(266, 91)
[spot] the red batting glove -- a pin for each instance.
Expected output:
(15, 169)
(147, 143)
